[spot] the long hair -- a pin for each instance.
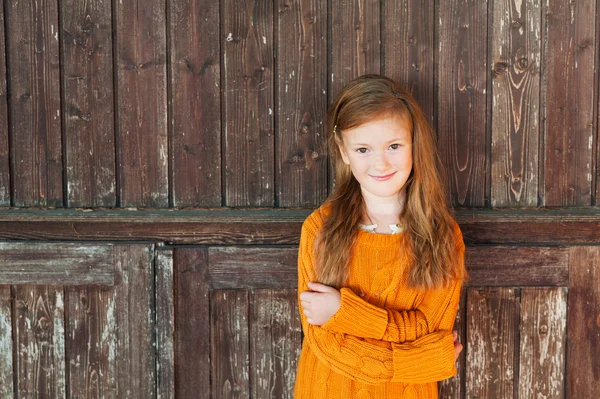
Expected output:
(429, 238)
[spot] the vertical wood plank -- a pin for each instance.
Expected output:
(492, 342)
(195, 102)
(39, 337)
(275, 343)
(408, 49)
(247, 49)
(192, 323)
(88, 102)
(301, 103)
(6, 343)
(583, 323)
(461, 102)
(543, 342)
(4, 128)
(453, 388)
(165, 325)
(515, 42)
(142, 103)
(569, 124)
(90, 342)
(34, 109)
(134, 306)
(229, 341)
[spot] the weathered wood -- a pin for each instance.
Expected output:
(4, 148)
(408, 49)
(192, 323)
(39, 338)
(518, 266)
(515, 42)
(492, 342)
(461, 100)
(165, 325)
(282, 226)
(141, 93)
(6, 343)
(569, 110)
(275, 343)
(35, 119)
(453, 388)
(239, 267)
(194, 106)
(56, 263)
(301, 103)
(247, 102)
(90, 342)
(88, 102)
(135, 357)
(230, 346)
(543, 339)
(583, 320)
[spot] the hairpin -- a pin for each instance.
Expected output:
(334, 129)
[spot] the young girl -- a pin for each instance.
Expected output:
(381, 261)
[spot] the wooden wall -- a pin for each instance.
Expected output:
(157, 159)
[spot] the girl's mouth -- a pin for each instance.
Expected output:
(382, 178)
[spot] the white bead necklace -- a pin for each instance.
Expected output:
(395, 227)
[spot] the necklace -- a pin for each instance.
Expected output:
(395, 227)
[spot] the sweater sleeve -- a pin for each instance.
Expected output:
(371, 361)
(437, 311)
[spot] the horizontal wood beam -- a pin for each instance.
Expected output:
(222, 226)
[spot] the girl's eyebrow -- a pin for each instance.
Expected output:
(391, 141)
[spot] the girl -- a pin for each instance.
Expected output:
(381, 261)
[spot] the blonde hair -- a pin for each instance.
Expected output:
(430, 234)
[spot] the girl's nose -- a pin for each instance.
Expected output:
(381, 161)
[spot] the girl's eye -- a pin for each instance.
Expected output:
(359, 150)
(395, 144)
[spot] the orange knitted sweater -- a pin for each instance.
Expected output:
(386, 340)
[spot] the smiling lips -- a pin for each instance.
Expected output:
(382, 178)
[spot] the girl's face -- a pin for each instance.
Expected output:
(380, 155)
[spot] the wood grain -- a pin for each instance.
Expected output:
(6, 343)
(34, 107)
(454, 387)
(516, 50)
(301, 98)
(5, 192)
(88, 102)
(247, 102)
(165, 324)
(194, 102)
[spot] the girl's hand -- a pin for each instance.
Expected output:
(320, 303)
(457, 345)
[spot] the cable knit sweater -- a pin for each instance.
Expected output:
(386, 340)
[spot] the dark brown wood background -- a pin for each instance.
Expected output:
(157, 159)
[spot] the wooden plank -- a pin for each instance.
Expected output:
(230, 346)
(515, 42)
(453, 388)
(583, 325)
(239, 267)
(90, 342)
(518, 266)
(134, 315)
(88, 102)
(492, 342)
(5, 191)
(462, 78)
(276, 343)
(195, 102)
(282, 226)
(192, 323)
(408, 49)
(38, 325)
(543, 339)
(35, 120)
(165, 325)
(142, 103)
(301, 103)
(6, 343)
(247, 102)
(56, 263)
(569, 102)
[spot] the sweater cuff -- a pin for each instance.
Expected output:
(428, 359)
(358, 317)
